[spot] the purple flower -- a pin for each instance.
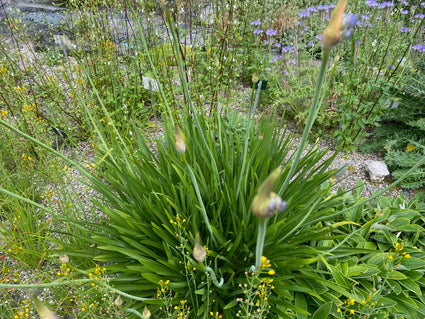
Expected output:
(322, 7)
(358, 43)
(304, 14)
(318, 36)
(310, 43)
(404, 29)
(422, 4)
(298, 22)
(271, 32)
(385, 4)
(349, 20)
(365, 17)
(277, 45)
(257, 31)
(402, 11)
(276, 58)
(367, 24)
(292, 62)
(311, 9)
(371, 3)
(418, 47)
(420, 15)
(266, 42)
(360, 23)
(390, 66)
(287, 48)
(256, 22)
(405, 2)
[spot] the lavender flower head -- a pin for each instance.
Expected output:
(349, 20)
(257, 31)
(276, 205)
(256, 23)
(304, 14)
(276, 58)
(403, 11)
(271, 32)
(371, 3)
(322, 7)
(418, 47)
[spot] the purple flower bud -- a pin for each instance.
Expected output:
(271, 32)
(274, 59)
(404, 29)
(304, 14)
(371, 3)
(349, 20)
(322, 7)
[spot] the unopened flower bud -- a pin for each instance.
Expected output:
(43, 311)
(180, 145)
(199, 252)
(118, 301)
(331, 35)
(266, 203)
(254, 78)
(146, 313)
(349, 21)
(63, 259)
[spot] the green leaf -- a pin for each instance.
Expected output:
(301, 302)
(409, 284)
(396, 275)
(413, 263)
(231, 304)
(323, 311)
(363, 271)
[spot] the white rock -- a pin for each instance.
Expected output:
(377, 171)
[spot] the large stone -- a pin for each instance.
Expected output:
(377, 171)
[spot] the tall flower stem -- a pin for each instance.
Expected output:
(262, 228)
(314, 109)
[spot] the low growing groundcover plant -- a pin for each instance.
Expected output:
(216, 220)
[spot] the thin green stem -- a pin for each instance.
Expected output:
(262, 228)
(314, 109)
(214, 277)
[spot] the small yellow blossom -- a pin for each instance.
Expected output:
(265, 263)
(410, 147)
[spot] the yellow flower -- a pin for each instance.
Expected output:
(410, 148)
(265, 263)
(352, 312)
(271, 272)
